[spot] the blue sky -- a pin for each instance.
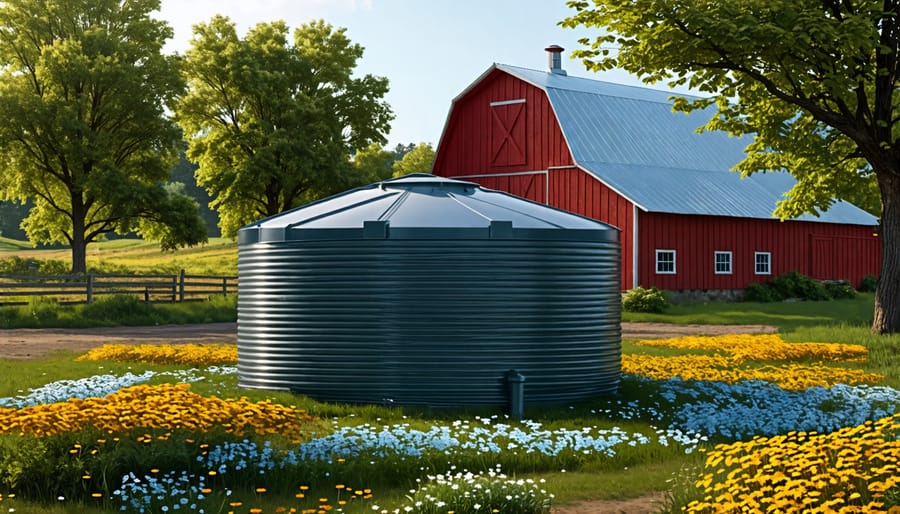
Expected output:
(430, 50)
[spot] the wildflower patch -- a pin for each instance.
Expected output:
(187, 354)
(741, 357)
(165, 406)
(850, 470)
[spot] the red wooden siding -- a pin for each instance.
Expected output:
(532, 186)
(574, 190)
(821, 250)
(481, 138)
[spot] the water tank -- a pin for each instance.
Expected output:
(430, 291)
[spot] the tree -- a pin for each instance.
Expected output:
(417, 160)
(372, 164)
(816, 84)
(183, 173)
(272, 124)
(84, 135)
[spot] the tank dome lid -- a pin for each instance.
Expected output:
(423, 206)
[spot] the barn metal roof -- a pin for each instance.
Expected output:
(631, 140)
(423, 206)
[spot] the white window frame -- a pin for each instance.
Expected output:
(661, 252)
(756, 263)
(727, 262)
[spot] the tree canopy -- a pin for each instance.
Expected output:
(814, 82)
(83, 88)
(272, 123)
(417, 160)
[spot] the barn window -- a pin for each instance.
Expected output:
(665, 262)
(762, 263)
(723, 263)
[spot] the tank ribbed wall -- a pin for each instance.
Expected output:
(425, 322)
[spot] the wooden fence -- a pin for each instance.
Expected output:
(83, 288)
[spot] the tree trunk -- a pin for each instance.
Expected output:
(887, 295)
(79, 252)
(79, 245)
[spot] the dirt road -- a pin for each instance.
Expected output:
(36, 343)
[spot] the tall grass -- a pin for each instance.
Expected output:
(120, 310)
(883, 350)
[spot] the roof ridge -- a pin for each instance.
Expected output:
(546, 80)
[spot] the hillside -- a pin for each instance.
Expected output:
(217, 257)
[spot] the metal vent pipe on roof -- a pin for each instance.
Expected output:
(554, 59)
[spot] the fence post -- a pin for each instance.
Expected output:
(181, 286)
(224, 286)
(90, 287)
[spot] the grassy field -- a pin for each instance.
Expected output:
(216, 257)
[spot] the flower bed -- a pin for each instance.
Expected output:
(786, 417)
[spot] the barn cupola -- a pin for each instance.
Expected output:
(554, 59)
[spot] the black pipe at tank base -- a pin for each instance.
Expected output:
(516, 383)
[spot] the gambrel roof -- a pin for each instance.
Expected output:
(630, 139)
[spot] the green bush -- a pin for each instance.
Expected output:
(762, 293)
(20, 266)
(868, 284)
(841, 289)
(795, 285)
(640, 299)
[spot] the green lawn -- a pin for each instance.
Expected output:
(787, 316)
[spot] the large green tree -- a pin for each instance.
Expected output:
(815, 82)
(83, 86)
(272, 122)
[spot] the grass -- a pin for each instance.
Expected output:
(787, 316)
(216, 257)
(119, 310)
(12, 245)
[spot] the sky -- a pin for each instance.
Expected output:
(430, 50)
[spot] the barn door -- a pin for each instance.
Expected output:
(821, 254)
(508, 133)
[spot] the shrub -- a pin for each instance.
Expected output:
(19, 266)
(640, 299)
(840, 289)
(868, 284)
(795, 285)
(762, 293)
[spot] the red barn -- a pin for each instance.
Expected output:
(619, 154)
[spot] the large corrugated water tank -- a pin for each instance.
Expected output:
(429, 291)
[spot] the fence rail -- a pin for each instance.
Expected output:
(83, 288)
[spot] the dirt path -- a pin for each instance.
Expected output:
(29, 343)
(36, 343)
